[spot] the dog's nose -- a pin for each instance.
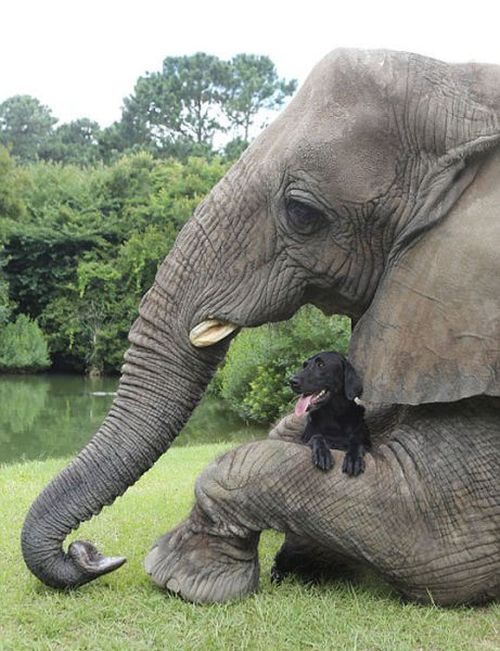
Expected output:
(295, 383)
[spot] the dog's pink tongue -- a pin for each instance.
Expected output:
(302, 404)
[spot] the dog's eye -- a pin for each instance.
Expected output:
(304, 218)
(320, 362)
(304, 364)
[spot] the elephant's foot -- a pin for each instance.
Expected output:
(202, 567)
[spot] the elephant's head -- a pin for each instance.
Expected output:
(374, 194)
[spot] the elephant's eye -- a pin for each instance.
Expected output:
(304, 218)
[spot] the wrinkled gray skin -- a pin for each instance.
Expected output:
(431, 532)
(374, 194)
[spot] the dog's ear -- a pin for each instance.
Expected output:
(353, 388)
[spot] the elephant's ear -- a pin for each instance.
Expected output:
(432, 331)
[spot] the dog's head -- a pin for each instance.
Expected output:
(324, 377)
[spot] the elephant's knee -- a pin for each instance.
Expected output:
(221, 492)
(289, 429)
(211, 556)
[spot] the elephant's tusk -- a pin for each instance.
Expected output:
(210, 332)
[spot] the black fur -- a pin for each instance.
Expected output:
(335, 421)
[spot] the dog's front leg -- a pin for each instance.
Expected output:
(354, 461)
(321, 455)
(359, 444)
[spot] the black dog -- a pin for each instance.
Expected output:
(328, 384)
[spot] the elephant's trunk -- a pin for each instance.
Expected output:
(163, 379)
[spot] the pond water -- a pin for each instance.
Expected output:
(43, 416)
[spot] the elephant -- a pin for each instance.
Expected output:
(374, 194)
(406, 517)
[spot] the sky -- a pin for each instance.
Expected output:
(82, 57)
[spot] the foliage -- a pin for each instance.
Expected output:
(180, 101)
(23, 346)
(234, 148)
(25, 126)
(112, 143)
(179, 110)
(254, 86)
(89, 320)
(5, 307)
(180, 187)
(40, 261)
(184, 110)
(254, 377)
(84, 245)
(76, 143)
(5, 302)
(11, 206)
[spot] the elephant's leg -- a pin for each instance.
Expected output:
(203, 560)
(212, 556)
(303, 556)
(289, 429)
(425, 513)
(175, 561)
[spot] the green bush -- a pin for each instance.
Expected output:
(84, 245)
(5, 303)
(23, 346)
(253, 380)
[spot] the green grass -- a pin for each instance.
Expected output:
(125, 611)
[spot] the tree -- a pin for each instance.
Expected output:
(179, 110)
(234, 148)
(76, 142)
(182, 102)
(11, 204)
(25, 125)
(84, 243)
(88, 320)
(115, 140)
(5, 306)
(39, 261)
(254, 86)
(23, 346)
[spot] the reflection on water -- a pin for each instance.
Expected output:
(44, 416)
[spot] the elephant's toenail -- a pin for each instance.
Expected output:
(173, 584)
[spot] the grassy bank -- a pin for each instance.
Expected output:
(125, 611)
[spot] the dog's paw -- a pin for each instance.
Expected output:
(321, 455)
(277, 575)
(354, 462)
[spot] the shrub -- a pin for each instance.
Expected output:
(23, 346)
(254, 378)
(87, 245)
(5, 306)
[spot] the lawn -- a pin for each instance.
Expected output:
(125, 611)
